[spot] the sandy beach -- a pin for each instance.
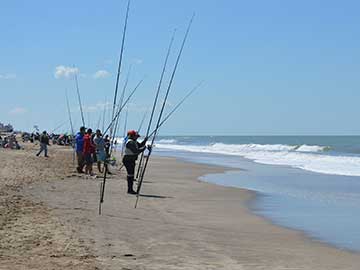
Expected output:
(49, 220)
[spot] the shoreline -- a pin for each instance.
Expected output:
(181, 222)
(252, 205)
(254, 196)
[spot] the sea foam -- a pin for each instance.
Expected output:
(307, 157)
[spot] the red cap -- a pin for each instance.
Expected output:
(133, 133)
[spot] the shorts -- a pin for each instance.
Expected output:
(88, 159)
(101, 156)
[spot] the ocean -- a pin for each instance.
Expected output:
(308, 183)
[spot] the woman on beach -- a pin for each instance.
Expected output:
(132, 150)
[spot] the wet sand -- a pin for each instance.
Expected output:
(180, 222)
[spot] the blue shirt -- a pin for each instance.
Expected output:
(79, 139)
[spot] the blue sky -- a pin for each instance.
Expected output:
(270, 67)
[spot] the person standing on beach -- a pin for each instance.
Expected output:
(79, 141)
(132, 149)
(100, 149)
(44, 142)
(88, 151)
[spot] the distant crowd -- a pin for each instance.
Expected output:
(9, 142)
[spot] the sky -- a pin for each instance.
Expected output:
(269, 67)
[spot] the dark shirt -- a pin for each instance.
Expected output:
(44, 139)
(136, 148)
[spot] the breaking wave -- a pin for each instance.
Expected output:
(307, 157)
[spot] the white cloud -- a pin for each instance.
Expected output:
(8, 76)
(17, 111)
(100, 74)
(65, 72)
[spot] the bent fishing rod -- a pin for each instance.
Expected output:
(162, 109)
(102, 186)
(156, 97)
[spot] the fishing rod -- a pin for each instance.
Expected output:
(79, 98)
(120, 103)
(125, 125)
(59, 126)
(103, 122)
(156, 97)
(142, 121)
(102, 186)
(69, 113)
(120, 63)
(123, 105)
(162, 109)
(176, 107)
(71, 125)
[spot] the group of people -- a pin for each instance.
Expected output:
(91, 148)
(95, 148)
(9, 142)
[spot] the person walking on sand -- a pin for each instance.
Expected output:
(88, 151)
(100, 150)
(44, 142)
(132, 149)
(79, 146)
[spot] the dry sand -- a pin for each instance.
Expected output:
(49, 220)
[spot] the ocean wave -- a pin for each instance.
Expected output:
(167, 141)
(306, 157)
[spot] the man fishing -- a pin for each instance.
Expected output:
(79, 140)
(132, 149)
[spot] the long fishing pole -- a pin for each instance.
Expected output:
(79, 99)
(120, 104)
(142, 121)
(71, 125)
(102, 187)
(125, 126)
(103, 120)
(176, 107)
(57, 127)
(122, 107)
(69, 113)
(120, 63)
(156, 97)
(162, 109)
